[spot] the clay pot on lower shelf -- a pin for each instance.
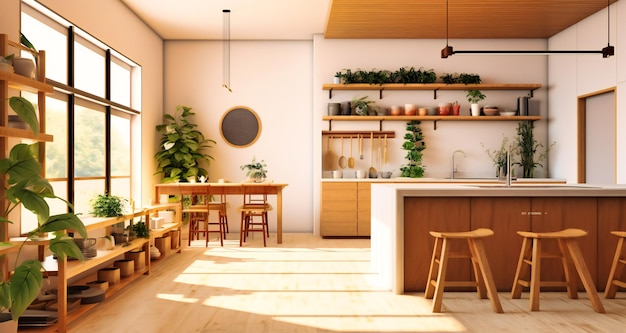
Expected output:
(139, 257)
(126, 266)
(109, 274)
(104, 285)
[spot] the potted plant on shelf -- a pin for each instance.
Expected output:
(364, 107)
(256, 170)
(183, 147)
(475, 96)
(24, 185)
(413, 144)
(105, 205)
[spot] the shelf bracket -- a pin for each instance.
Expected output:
(531, 92)
(435, 125)
(435, 93)
(380, 93)
(380, 125)
(330, 125)
(330, 93)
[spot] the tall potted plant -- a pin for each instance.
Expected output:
(183, 147)
(24, 185)
(529, 149)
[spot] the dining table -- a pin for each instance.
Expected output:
(228, 188)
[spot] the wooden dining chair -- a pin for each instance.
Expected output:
(200, 214)
(255, 206)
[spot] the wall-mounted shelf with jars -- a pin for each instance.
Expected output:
(531, 87)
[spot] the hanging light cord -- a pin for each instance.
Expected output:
(446, 23)
(226, 55)
(608, 22)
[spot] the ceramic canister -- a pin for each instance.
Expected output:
(334, 109)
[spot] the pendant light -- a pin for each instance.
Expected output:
(226, 50)
(606, 51)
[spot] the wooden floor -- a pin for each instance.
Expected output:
(309, 284)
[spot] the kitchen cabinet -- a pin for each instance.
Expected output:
(345, 209)
(422, 215)
(505, 216)
(611, 217)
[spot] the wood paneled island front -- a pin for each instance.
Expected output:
(403, 214)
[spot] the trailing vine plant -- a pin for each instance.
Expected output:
(413, 144)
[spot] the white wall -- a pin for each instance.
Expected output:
(571, 76)
(274, 79)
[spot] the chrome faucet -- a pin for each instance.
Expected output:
(454, 169)
(508, 166)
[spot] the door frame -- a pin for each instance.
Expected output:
(582, 133)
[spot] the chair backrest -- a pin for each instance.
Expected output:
(255, 195)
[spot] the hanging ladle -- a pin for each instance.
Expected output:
(351, 159)
(372, 171)
(342, 159)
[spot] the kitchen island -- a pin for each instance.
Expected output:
(403, 214)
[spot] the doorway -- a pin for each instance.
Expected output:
(597, 138)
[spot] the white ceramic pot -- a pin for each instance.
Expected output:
(25, 67)
(475, 109)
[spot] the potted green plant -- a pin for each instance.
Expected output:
(141, 230)
(414, 145)
(105, 205)
(20, 173)
(183, 147)
(363, 107)
(528, 149)
(475, 96)
(256, 170)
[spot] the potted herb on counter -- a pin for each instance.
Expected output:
(413, 144)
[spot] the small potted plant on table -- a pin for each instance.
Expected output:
(256, 170)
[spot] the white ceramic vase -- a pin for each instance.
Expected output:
(475, 109)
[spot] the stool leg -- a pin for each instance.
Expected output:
(616, 271)
(535, 275)
(441, 277)
(478, 251)
(242, 228)
(569, 270)
(522, 268)
(432, 272)
(480, 281)
(579, 262)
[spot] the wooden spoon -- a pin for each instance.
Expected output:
(351, 159)
(342, 159)
(372, 171)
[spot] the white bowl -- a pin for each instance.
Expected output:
(508, 113)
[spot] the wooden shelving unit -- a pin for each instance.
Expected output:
(434, 119)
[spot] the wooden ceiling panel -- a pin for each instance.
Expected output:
(467, 18)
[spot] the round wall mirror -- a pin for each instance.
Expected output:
(240, 126)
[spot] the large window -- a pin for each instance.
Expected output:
(89, 115)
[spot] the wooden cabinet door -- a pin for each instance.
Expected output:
(425, 214)
(338, 209)
(505, 216)
(364, 212)
(557, 213)
(611, 217)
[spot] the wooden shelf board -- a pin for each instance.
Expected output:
(20, 82)
(76, 267)
(430, 118)
(9, 132)
(431, 86)
(4, 249)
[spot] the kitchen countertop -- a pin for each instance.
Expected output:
(445, 180)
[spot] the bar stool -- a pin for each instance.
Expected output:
(571, 257)
(484, 283)
(617, 268)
